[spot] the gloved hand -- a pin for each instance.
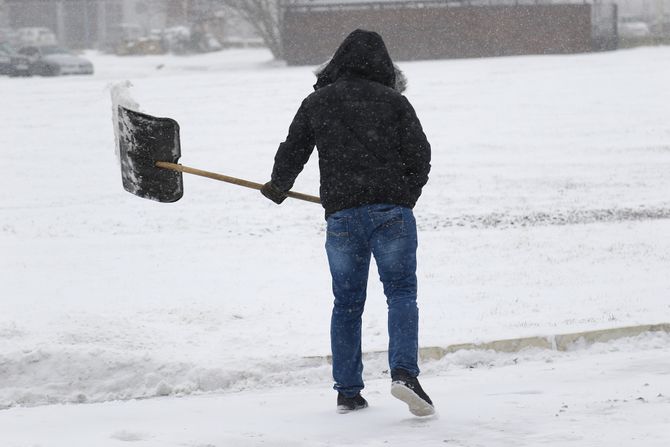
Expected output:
(273, 193)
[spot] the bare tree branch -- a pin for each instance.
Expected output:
(264, 16)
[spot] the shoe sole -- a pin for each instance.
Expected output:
(417, 406)
(345, 410)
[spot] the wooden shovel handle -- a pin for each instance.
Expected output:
(233, 180)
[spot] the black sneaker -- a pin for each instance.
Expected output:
(407, 389)
(347, 404)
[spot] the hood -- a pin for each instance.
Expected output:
(362, 54)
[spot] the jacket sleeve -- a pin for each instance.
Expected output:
(414, 147)
(295, 151)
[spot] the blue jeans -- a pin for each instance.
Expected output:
(389, 233)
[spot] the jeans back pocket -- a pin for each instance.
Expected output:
(388, 221)
(338, 234)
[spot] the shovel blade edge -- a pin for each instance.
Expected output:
(144, 140)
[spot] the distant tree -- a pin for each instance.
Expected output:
(265, 17)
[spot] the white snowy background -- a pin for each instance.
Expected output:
(547, 211)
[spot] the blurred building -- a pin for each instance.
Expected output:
(649, 11)
(74, 22)
(102, 23)
(3, 14)
(439, 29)
(652, 14)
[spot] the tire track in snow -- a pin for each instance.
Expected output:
(552, 218)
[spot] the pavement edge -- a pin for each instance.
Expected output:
(559, 342)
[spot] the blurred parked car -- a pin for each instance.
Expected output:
(631, 28)
(50, 60)
(11, 63)
(36, 36)
(141, 46)
(7, 35)
(5, 59)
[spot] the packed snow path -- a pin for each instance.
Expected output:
(614, 394)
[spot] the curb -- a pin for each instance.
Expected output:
(559, 342)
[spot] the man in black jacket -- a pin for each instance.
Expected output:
(374, 159)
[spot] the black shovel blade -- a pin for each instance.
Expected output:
(144, 140)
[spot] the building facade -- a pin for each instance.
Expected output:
(100, 23)
(3, 14)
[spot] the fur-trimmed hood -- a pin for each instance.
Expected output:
(362, 54)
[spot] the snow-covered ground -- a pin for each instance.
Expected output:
(548, 211)
(614, 394)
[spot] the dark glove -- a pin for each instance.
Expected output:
(273, 193)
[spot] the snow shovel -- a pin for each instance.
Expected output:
(149, 149)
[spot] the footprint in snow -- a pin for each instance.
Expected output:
(128, 436)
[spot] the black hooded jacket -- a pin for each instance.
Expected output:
(371, 146)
